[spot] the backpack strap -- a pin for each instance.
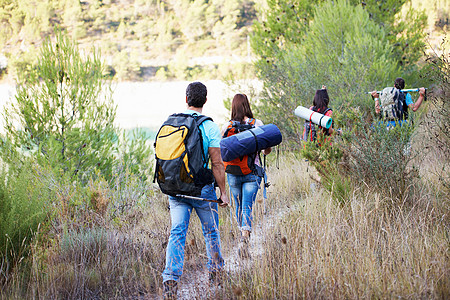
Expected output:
(199, 119)
(231, 123)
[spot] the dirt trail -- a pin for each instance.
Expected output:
(196, 285)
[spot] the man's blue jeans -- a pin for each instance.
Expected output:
(180, 213)
(244, 189)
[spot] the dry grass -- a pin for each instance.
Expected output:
(305, 245)
(363, 250)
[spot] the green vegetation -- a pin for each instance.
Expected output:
(24, 207)
(339, 44)
(58, 112)
(138, 38)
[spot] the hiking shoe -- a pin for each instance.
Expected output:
(170, 290)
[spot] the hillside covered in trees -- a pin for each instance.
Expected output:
(136, 38)
(159, 39)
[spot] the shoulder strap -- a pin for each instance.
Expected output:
(199, 119)
(230, 125)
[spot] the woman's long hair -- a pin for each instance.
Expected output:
(321, 101)
(240, 108)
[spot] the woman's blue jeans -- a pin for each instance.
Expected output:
(180, 213)
(244, 189)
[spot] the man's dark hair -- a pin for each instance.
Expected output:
(399, 83)
(196, 94)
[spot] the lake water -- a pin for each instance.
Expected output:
(148, 104)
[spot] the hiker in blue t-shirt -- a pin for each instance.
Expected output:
(407, 102)
(181, 208)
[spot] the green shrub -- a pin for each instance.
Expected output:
(326, 159)
(382, 159)
(83, 247)
(63, 108)
(23, 210)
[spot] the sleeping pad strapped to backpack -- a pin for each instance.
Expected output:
(180, 159)
(249, 141)
(244, 164)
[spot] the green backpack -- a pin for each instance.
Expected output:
(180, 159)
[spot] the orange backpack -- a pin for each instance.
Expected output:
(245, 164)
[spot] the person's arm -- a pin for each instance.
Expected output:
(218, 170)
(377, 102)
(415, 106)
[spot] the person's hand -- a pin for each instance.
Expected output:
(375, 94)
(377, 108)
(266, 151)
(422, 91)
(224, 199)
(324, 87)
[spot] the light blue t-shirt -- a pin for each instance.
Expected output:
(408, 99)
(210, 133)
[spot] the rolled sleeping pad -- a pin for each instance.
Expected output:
(250, 141)
(313, 116)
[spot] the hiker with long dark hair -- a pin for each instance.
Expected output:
(242, 173)
(320, 105)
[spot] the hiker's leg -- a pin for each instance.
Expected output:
(235, 183)
(249, 190)
(180, 213)
(209, 218)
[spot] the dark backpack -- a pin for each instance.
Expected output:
(393, 104)
(310, 132)
(245, 164)
(180, 159)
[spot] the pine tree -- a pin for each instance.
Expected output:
(342, 49)
(59, 113)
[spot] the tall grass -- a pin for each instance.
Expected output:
(24, 207)
(304, 244)
(361, 250)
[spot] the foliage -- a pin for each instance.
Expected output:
(342, 49)
(382, 158)
(436, 121)
(286, 22)
(325, 158)
(135, 152)
(24, 208)
(404, 27)
(138, 32)
(58, 113)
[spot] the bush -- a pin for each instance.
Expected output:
(382, 158)
(335, 52)
(436, 124)
(325, 159)
(59, 113)
(23, 211)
